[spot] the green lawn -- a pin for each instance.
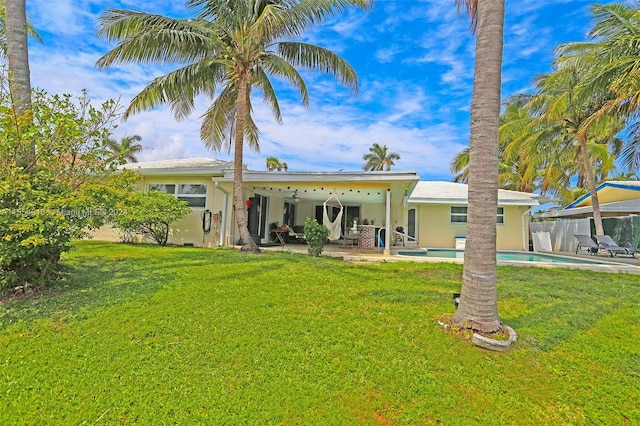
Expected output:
(151, 335)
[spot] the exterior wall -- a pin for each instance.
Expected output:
(188, 230)
(436, 230)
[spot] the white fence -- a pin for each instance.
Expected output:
(561, 232)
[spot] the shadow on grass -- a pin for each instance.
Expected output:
(92, 283)
(551, 307)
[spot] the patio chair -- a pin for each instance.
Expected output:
(585, 242)
(399, 236)
(612, 247)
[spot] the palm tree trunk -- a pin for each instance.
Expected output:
(589, 176)
(18, 60)
(478, 302)
(238, 195)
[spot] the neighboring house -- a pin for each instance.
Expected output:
(617, 199)
(433, 213)
(619, 208)
(439, 211)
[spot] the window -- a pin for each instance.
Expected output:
(194, 194)
(500, 218)
(167, 189)
(459, 215)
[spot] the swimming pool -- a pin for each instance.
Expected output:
(505, 256)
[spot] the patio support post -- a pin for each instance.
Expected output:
(388, 235)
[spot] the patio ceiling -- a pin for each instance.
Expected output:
(317, 194)
(353, 188)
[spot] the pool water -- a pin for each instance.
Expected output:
(514, 256)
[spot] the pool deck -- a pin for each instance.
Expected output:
(356, 255)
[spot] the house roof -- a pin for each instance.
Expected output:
(433, 192)
(621, 208)
(630, 185)
(183, 166)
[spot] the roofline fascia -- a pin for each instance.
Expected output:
(323, 176)
(464, 201)
(172, 172)
(598, 188)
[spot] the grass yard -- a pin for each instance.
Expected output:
(150, 335)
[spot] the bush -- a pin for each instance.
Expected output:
(48, 200)
(316, 236)
(149, 214)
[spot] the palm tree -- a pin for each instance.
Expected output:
(580, 131)
(125, 151)
(18, 59)
(230, 48)
(273, 163)
(478, 308)
(516, 172)
(612, 62)
(379, 158)
(3, 30)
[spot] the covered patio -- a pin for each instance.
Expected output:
(362, 202)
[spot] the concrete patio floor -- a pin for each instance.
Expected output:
(355, 254)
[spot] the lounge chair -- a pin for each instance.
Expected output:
(585, 242)
(612, 247)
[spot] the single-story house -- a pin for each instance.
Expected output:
(373, 198)
(430, 213)
(439, 211)
(616, 198)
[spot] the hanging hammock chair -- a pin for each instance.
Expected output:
(335, 227)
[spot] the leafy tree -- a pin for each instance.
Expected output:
(125, 151)
(61, 193)
(379, 158)
(273, 163)
(229, 49)
(478, 308)
(149, 214)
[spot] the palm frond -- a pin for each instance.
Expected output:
(148, 38)
(279, 67)
(317, 58)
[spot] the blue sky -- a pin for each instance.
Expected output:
(414, 60)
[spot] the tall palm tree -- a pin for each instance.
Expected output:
(379, 158)
(580, 131)
(515, 171)
(3, 30)
(612, 61)
(230, 48)
(478, 308)
(18, 59)
(126, 149)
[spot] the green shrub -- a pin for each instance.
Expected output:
(47, 201)
(316, 236)
(149, 214)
